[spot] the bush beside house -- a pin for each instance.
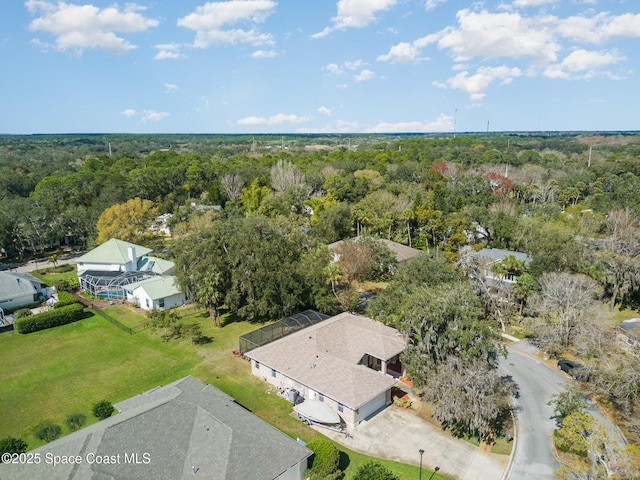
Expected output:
(64, 299)
(326, 460)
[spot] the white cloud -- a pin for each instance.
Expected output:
(333, 68)
(495, 35)
(401, 53)
(264, 54)
(340, 126)
(78, 27)
(129, 112)
(600, 27)
(583, 64)
(364, 75)
(430, 4)
(153, 116)
(444, 123)
(476, 84)
(213, 22)
(354, 65)
(170, 88)
(355, 14)
(325, 111)
(168, 51)
(277, 119)
(532, 3)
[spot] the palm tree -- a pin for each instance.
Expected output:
(54, 259)
(210, 295)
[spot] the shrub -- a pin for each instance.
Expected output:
(102, 409)
(373, 470)
(64, 299)
(48, 432)
(62, 268)
(12, 445)
(62, 285)
(52, 318)
(326, 458)
(75, 420)
(23, 313)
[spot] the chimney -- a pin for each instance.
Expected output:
(132, 257)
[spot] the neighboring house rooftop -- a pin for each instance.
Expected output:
(187, 428)
(157, 287)
(325, 357)
(113, 251)
(13, 284)
(497, 254)
(401, 252)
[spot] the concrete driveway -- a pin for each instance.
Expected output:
(397, 434)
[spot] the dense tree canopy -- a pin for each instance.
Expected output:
(256, 266)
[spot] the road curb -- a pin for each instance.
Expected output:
(507, 470)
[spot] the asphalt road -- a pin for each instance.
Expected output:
(536, 383)
(533, 458)
(43, 263)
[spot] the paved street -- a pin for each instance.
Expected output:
(43, 263)
(537, 381)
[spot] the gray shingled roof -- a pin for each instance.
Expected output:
(183, 425)
(325, 357)
(14, 284)
(401, 252)
(494, 254)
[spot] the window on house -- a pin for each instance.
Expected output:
(257, 365)
(148, 303)
(320, 397)
(273, 373)
(340, 408)
(161, 302)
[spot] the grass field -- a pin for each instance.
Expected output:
(50, 374)
(128, 317)
(49, 278)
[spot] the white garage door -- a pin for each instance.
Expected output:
(372, 407)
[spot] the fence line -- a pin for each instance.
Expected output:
(95, 309)
(112, 320)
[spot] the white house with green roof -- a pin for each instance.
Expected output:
(119, 256)
(107, 270)
(159, 293)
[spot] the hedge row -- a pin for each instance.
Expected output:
(52, 318)
(64, 299)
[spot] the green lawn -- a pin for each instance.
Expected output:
(50, 374)
(49, 278)
(125, 315)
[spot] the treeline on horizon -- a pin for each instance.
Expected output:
(53, 188)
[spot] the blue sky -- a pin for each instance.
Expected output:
(318, 66)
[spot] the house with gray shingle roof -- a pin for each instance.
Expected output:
(183, 430)
(17, 289)
(348, 361)
(488, 257)
(401, 252)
